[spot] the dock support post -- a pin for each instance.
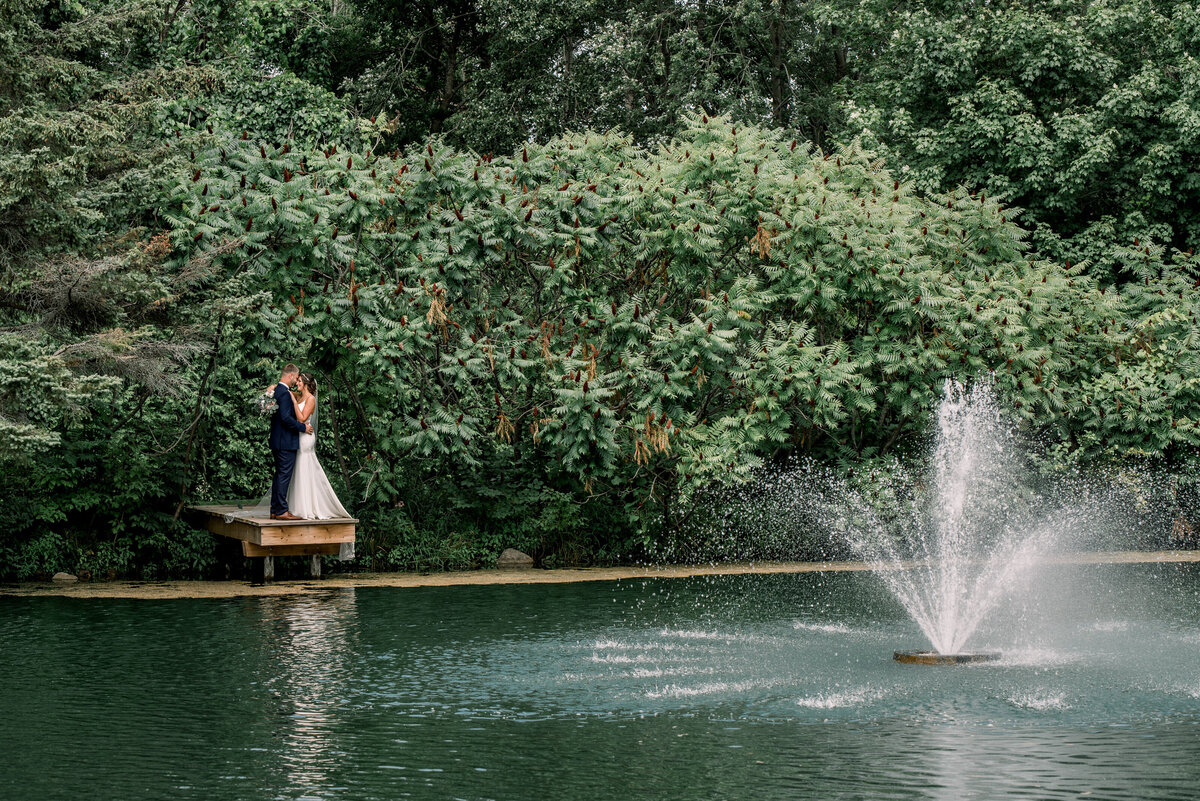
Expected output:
(315, 568)
(268, 568)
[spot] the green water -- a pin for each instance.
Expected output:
(755, 687)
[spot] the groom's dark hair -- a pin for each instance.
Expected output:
(290, 368)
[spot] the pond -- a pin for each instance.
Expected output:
(759, 687)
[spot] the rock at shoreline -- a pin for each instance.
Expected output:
(65, 578)
(514, 559)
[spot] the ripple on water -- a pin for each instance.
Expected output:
(1109, 625)
(636, 659)
(622, 659)
(708, 688)
(366, 694)
(655, 673)
(1040, 701)
(641, 673)
(823, 628)
(1035, 657)
(837, 700)
(696, 634)
(607, 644)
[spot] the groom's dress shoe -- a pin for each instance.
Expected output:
(286, 516)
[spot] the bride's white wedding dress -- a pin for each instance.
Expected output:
(310, 496)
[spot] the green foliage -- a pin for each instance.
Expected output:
(97, 333)
(490, 75)
(1086, 114)
(572, 347)
(1137, 395)
(631, 324)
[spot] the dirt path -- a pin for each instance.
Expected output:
(238, 589)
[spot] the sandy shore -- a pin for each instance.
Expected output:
(238, 589)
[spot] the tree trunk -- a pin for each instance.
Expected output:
(197, 412)
(840, 69)
(779, 78)
(569, 97)
(337, 439)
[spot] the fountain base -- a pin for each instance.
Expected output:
(935, 658)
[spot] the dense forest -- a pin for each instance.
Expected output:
(563, 271)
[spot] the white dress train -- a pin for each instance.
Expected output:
(310, 495)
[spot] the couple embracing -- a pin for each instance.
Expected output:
(300, 489)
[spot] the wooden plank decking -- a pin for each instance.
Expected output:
(263, 537)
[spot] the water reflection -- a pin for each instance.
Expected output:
(310, 642)
(947, 766)
(770, 687)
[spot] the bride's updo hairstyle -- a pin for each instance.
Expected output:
(309, 382)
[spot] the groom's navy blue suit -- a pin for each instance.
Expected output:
(285, 441)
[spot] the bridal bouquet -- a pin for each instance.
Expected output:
(265, 403)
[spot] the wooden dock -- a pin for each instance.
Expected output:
(264, 538)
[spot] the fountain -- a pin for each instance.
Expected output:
(675, 682)
(970, 542)
(936, 658)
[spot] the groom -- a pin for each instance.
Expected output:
(285, 442)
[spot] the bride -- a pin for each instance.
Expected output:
(310, 496)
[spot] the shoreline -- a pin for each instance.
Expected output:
(243, 589)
